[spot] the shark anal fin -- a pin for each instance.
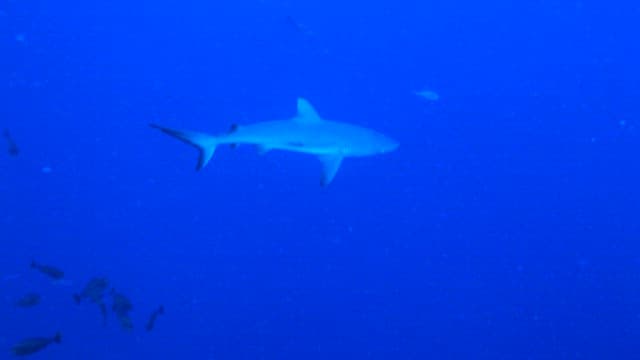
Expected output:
(330, 166)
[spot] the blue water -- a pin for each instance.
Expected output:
(504, 227)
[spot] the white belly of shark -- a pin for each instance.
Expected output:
(307, 132)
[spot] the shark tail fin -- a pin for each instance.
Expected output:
(206, 144)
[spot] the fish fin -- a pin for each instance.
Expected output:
(34, 264)
(263, 149)
(57, 338)
(161, 310)
(233, 128)
(306, 113)
(330, 166)
(206, 144)
(77, 298)
(233, 145)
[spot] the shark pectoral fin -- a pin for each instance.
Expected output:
(306, 112)
(263, 149)
(206, 144)
(330, 166)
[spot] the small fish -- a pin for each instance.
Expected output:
(33, 345)
(121, 306)
(93, 291)
(154, 315)
(13, 148)
(50, 271)
(29, 300)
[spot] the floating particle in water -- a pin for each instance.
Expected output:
(46, 170)
(428, 95)
(21, 38)
(10, 277)
(583, 262)
(297, 26)
(293, 23)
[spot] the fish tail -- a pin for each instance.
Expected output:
(77, 298)
(57, 338)
(34, 264)
(206, 144)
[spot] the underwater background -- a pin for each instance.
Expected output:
(505, 226)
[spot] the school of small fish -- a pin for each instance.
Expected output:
(94, 292)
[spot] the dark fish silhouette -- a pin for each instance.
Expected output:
(29, 300)
(94, 291)
(33, 345)
(50, 271)
(13, 148)
(121, 307)
(103, 311)
(121, 304)
(154, 315)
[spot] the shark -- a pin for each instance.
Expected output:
(306, 132)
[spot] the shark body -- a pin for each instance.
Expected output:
(307, 132)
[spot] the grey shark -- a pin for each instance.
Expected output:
(307, 132)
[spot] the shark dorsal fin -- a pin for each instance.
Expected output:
(306, 113)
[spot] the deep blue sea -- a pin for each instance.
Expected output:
(505, 226)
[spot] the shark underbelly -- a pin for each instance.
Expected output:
(299, 144)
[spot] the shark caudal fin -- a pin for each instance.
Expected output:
(206, 144)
